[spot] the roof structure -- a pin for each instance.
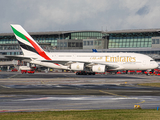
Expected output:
(49, 33)
(107, 32)
(134, 31)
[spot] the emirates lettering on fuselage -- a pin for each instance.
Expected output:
(120, 59)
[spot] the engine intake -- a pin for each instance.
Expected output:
(77, 66)
(98, 68)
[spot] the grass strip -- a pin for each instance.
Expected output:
(150, 84)
(135, 114)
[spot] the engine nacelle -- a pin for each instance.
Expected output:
(98, 68)
(77, 66)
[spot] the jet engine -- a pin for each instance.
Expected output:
(77, 66)
(98, 68)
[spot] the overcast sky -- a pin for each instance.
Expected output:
(65, 15)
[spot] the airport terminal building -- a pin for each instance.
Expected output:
(145, 41)
(52, 41)
(140, 41)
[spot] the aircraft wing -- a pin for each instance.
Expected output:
(66, 63)
(87, 64)
(17, 57)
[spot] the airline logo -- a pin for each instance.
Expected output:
(120, 59)
(77, 66)
(36, 49)
(99, 69)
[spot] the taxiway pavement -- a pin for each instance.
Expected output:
(67, 91)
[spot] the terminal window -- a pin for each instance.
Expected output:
(130, 41)
(155, 41)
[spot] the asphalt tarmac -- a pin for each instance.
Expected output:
(67, 91)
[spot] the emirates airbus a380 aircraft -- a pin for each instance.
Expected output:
(91, 62)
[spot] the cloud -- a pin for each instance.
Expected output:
(143, 11)
(55, 15)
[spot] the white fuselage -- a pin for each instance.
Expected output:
(124, 61)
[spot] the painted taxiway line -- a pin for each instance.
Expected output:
(12, 76)
(4, 86)
(113, 94)
(142, 101)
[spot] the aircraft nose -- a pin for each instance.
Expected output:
(156, 64)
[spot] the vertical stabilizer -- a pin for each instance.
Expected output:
(28, 45)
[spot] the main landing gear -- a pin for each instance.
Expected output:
(85, 73)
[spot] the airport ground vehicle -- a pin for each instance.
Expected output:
(153, 72)
(119, 72)
(139, 72)
(14, 70)
(157, 71)
(27, 71)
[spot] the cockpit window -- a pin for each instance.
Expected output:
(151, 60)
